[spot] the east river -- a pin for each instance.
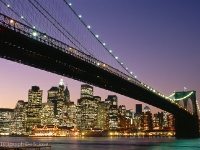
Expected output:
(107, 143)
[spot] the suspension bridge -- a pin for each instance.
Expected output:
(42, 40)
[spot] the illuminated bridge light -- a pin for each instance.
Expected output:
(131, 72)
(22, 17)
(104, 44)
(116, 57)
(35, 34)
(126, 68)
(11, 21)
(110, 51)
(97, 36)
(98, 64)
(136, 77)
(80, 16)
(70, 4)
(34, 27)
(89, 27)
(121, 63)
(8, 5)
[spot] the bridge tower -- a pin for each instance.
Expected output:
(187, 126)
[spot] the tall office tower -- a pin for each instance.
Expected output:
(113, 111)
(158, 121)
(69, 115)
(5, 121)
(87, 108)
(168, 121)
(102, 116)
(147, 119)
(19, 119)
(34, 107)
(138, 108)
(86, 91)
(59, 97)
(47, 114)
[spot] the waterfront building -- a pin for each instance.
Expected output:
(69, 115)
(158, 121)
(18, 126)
(6, 115)
(59, 97)
(102, 116)
(87, 108)
(47, 114)
(34, 107)
(112, 101)
(147, 122)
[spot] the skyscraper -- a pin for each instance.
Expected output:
(19, 118)
(86, 91)
(87, 108)
(5, 121)
(138, 108)
(34, 107)
(113, 111)
(102, 116)
(47, 114)
(58, 96)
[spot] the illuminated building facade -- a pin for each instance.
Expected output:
(102, 116)
(69, 115)
(19, 118)
(5, 121)
(47, 114)
(59, 97)
(86, 91)
(87, 108)
(34, 107)
(147, 122)
(112, 101)
(158, 121)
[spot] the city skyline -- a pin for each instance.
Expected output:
(62, 82)
(58, 116)
(153, 41)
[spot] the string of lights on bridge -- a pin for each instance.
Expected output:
(97, 36)
(110, 52)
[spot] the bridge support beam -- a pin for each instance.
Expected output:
(186, 127)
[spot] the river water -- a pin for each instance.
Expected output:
(107, 143)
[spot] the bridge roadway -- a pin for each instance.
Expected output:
(24, 45)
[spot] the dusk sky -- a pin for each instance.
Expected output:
(159, 40)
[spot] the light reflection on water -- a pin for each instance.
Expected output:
(108, 143)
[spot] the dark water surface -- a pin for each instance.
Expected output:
(108, 143)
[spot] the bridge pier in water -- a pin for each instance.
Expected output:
(186, 127)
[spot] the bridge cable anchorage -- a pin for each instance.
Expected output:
(96, 36)
(16, 13)
(38, 4)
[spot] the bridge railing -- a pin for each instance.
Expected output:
(44, 38)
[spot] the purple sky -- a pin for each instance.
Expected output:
(158, 40)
